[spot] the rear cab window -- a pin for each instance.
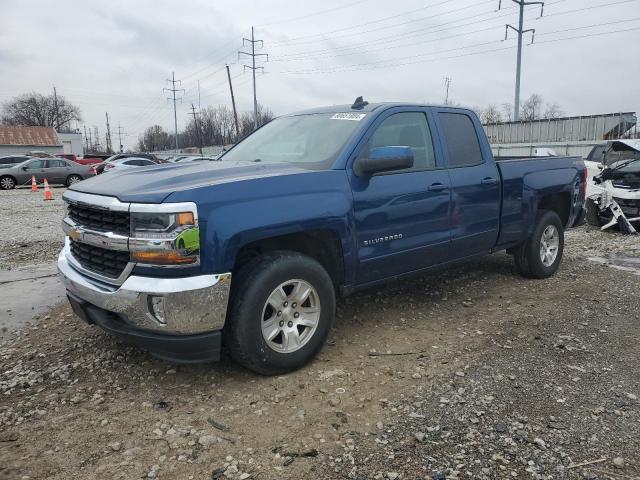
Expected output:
(461, 140)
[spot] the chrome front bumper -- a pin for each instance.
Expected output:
(190, 305)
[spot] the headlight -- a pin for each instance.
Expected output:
(142, 223)
(167, 239)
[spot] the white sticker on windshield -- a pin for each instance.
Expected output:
(356, 117)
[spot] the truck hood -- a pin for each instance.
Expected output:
(155, 184)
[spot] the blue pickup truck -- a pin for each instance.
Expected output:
(250, 252)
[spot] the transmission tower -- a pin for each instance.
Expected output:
(107, 136)
(195, 121)
(120, 137)
(447, 84)
(173, 90)
(253, 69)
(520, 31)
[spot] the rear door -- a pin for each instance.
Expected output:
(401, 217)
(475, 184)
(57, 171)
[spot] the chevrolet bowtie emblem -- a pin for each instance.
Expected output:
(75, 234)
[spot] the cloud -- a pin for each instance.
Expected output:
(115, 56)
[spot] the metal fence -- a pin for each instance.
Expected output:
(566, 129)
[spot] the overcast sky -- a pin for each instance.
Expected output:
(115, 55)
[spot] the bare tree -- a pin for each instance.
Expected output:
(532, 108)
(507, 112)
(155, 138)
(37, 110)
(553, 110)
(490, 114)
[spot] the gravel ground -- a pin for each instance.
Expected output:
(30, 228)
(469, 373)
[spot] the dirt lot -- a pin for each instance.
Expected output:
(30, 231)
(469, 373)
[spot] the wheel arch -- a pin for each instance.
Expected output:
(323, 245)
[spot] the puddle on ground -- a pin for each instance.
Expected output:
(628, 264)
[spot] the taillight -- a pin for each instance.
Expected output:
(585, 175)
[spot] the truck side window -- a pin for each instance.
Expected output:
(408, 129)
(461, 140)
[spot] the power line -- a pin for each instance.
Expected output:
(314, 14)
(253, 69)
(296, 40)
(520, 31)
(173, 90)
(390, 62)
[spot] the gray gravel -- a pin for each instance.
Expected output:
(473, 372)
(30, 228)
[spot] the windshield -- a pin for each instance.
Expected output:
(310, 141)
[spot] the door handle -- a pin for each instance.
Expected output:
(489, 181)
(437, 187)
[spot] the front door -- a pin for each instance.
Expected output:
(401, 217)
(35, 168)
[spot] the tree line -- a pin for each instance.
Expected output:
(211, 126)
(37, 110)
(533, 108)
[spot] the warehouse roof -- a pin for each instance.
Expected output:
(32, 136)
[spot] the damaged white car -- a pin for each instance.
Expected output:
(613, 195)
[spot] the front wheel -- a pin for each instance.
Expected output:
(541, 254)
(282, 308)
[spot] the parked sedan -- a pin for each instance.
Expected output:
(126, 163)
(55, 170)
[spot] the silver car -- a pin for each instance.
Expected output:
(55, 170)
(127, 163)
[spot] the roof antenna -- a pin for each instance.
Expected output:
(359, 104)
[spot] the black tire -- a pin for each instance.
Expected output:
(71, 179)
(7, 182)
(593, 213)
(251, 287)
(527, 256)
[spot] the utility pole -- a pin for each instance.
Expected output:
(86, 140)
(96, 137)
(253, 68)
(199, 106)
(120, 137)
(520, 31)
(195, 120)
(447, 84)
(107, 135)
(173, 90)
(55, 107)
(233, 103)
(90, 141)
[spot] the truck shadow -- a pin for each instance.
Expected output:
(387, 303)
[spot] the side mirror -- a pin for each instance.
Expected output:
(384, 159)
(24, 169)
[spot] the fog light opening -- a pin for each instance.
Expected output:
(156, 308)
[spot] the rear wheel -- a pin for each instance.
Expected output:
(7, 182)
(282, 308)
(71, 179)
(541, 254)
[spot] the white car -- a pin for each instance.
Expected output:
(127, 163)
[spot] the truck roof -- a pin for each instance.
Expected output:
(369, 107)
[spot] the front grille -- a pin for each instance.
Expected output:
(109, 263)
(100, 220)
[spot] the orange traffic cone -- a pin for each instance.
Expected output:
(34, 185)
(47, 191)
